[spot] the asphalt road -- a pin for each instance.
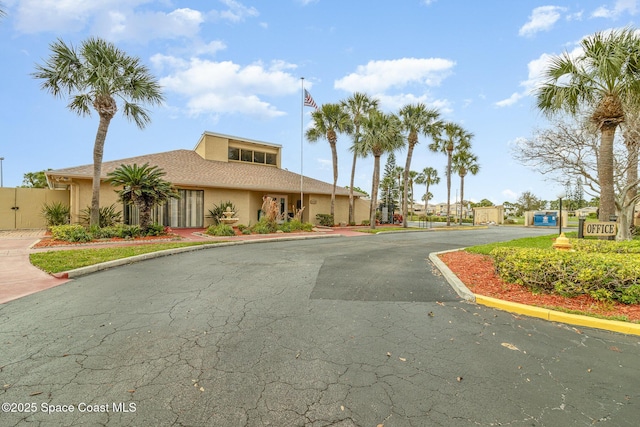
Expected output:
(359, 331)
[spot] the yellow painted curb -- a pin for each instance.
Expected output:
(558, 316)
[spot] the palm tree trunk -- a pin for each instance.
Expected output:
(461, 196)
(353, 175)
(374, 192)
(627, 211)
(334, 157)
(605, 173)
(426, 199)
(449, 154)
(405, 196)
(98, 152)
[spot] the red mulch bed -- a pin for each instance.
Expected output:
(477, 272)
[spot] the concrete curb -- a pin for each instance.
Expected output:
(526, 310)
(168, 252)
(453, 280)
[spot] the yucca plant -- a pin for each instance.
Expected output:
(56, 213)
(109, 216)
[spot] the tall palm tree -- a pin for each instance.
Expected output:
(381, 133)
(416, 119)
(464, 161)
(603, 77)
(455, 137)
(328, 121)
(142, 186)
(94, 76)
(357, 106)
(428, 176)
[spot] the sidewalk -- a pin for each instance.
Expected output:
(19, 278)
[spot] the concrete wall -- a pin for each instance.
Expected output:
(21, 208)
(488, 214)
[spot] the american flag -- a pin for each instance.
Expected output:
(308, 100)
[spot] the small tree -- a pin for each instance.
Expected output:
(144, 187)
(34, 180)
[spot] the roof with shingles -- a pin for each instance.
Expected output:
(188, 168)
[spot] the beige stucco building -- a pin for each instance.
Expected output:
(220, 168)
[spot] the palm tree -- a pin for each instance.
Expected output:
(357, 106)
(455, 137)
(381, 134)
(464, 162)
(428, 176)
(603, 77)
(328, 121)
(142, 186)
(416, 119)
(95, 75)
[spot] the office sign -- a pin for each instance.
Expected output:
(599, 229)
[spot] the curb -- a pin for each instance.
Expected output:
(527, 310)
(82, 271)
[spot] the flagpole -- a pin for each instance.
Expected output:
(301, 142)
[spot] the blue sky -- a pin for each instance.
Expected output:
(234, 67)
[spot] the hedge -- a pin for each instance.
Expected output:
(603, 276)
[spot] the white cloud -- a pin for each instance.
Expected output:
(120, 19)
(514, 98)
(325, 164)
(237, 12)
(620, 7)
(542, 19)
(141, 27)
(379, 76)
(227, 88)
(510, 194)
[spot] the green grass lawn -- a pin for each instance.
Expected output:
(65, 260)
(542, 242)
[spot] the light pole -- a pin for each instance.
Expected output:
(561, 196)
(1, 179)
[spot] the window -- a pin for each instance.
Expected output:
(252, 156)
(234, 153)
(271, 159)
(246, 155)
(186, 212)
(258, 157)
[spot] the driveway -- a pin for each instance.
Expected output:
(331, 332)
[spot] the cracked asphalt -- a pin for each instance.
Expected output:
(325, 332)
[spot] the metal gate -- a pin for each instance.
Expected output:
(21, 208)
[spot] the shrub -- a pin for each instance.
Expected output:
(366, 222)
(109, 216)
(70, 233)
(264, 226)
(156, 230)
(325, 220)
(246, 231)
(604, 276)
(55, 213)
(297, 225)
(241, 227)
(220, 230)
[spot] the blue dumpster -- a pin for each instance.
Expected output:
(545, 219)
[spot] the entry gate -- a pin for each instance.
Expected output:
(21, 208)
